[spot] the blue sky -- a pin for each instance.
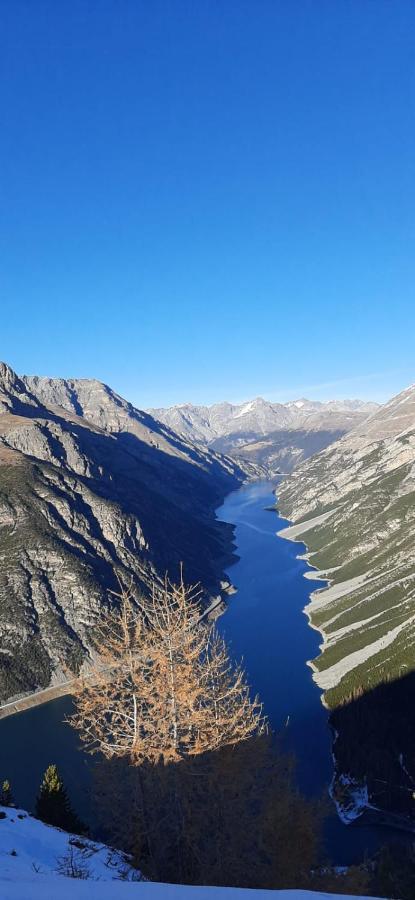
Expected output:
(204, 200)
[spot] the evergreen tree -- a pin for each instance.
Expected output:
(6, 796)
(53, 805)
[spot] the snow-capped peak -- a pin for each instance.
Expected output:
(246, 408)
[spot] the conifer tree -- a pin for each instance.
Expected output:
(53, 805)
(6, 795)
(162, 686)
(191, 783)
(110, 702)
(231, 715)
(162, 694)
(176, 646)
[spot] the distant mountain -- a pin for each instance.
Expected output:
(354, 505)
(277, 436)
(90, 486)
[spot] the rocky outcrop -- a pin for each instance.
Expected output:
(91, 489)
(14, 396)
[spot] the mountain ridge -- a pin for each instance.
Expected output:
(213, 421)
(274, 436)
(90, 488)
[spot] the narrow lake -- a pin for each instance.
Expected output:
(264, 624)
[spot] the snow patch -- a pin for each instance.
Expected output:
(350, 797)
(248, 407)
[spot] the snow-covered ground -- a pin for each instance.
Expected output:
(85, 890)
(34, 858)
(29, 849)
(350, 797)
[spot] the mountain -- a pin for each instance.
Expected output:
(275, 436)
(90, 486)
(354, 506)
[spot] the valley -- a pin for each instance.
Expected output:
(264, 623)
(93, 489)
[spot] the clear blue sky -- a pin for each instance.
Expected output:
(204, 200)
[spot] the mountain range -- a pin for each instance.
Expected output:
(92, 488)
(354, 506)
(274, 436)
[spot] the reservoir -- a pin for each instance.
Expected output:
(266, 626)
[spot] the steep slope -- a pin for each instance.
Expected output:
(32, 851)
(276, 436)
(39, 862)
(81, 498)
(354, 505)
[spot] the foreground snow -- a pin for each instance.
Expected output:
(31, 850)
(33, 857)
(81, 890)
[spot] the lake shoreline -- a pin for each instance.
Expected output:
(226, 556)
(368, 815)
(293, 534)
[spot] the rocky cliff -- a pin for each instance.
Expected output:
(90, 488)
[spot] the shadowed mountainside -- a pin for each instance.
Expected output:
(90, 486)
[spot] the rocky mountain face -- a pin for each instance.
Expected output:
(275, 436)
(354, 506)
(91, 488)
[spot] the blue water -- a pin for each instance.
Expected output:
(265, 624)
(31, 741)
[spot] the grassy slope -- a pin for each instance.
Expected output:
(372, 536)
